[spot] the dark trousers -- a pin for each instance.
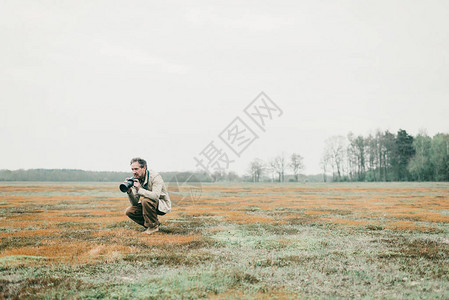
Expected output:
(145, 213)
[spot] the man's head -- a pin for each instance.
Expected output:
(138, 167)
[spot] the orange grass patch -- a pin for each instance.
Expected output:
(317, 212)
(27, 233)
(79, 252)
(423, 216)
(51, 188)
(248, 219)
(216, 229)
(409, 226)
(43, 199)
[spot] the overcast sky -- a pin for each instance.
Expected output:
(91, 84)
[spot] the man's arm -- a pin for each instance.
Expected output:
(132, 198)
(156, 191)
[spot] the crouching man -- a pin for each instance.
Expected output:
(148, 196)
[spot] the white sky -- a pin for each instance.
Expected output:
(90, 84)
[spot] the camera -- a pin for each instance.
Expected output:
(124, 187)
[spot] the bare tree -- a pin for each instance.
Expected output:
(279, 164)
(269, 170)
(324, 163)
(335, 148)
(256, 169)
(296, 164)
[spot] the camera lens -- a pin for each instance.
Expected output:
(124, 187)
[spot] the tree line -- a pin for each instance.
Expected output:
(94, 176)
(385, 156)
(258, 172)
(382, 156)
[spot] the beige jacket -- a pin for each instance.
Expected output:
(153, 188)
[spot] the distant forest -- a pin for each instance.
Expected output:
(385, 156)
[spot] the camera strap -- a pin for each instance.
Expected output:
(147, 180)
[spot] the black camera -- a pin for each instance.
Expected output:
(124, 187)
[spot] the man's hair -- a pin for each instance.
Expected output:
(141, 161)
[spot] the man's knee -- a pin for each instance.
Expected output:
(147, 201)
(129, 211)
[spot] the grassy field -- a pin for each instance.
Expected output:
(380, 240)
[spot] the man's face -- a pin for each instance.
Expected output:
(138, 172)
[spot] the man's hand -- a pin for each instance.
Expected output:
(137, 184)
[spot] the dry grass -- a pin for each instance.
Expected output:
(236, 241)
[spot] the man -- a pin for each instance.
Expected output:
(148, 196)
